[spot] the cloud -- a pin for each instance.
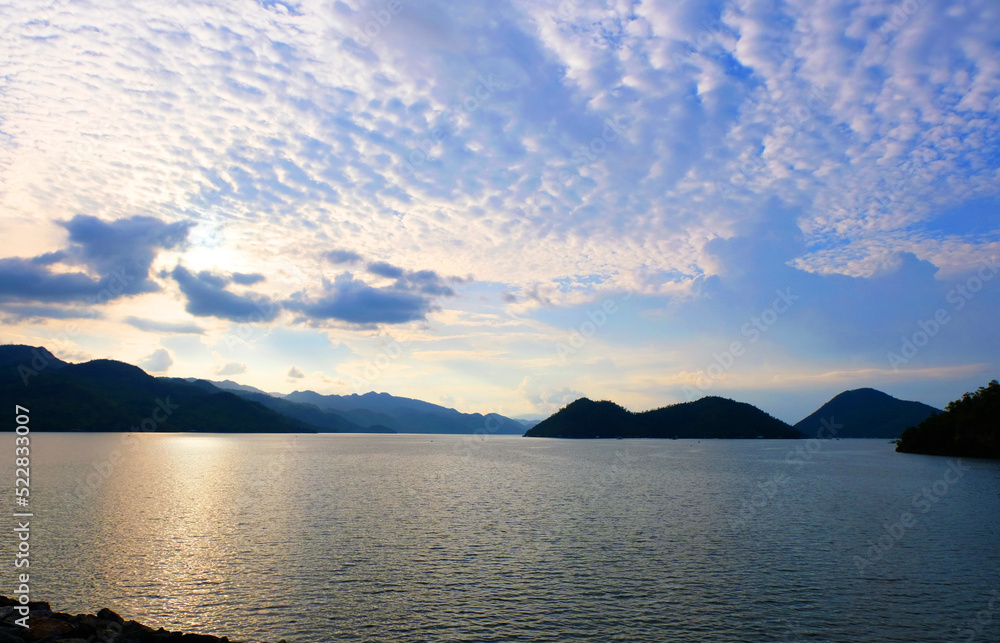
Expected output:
(295, 373)
(232, 368)
(207, 297)
(245, 279)
(350, 300)
(426, 282)
(149, 325)
(118, 256)
(383, 269)
(342, 257)
(18, 312)
(157, 362)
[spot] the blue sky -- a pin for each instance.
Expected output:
(504, 207)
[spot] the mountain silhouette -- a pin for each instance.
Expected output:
(709, 417)
(406, 415)
(865, 413)
(107, 395)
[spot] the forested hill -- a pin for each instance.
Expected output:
(709, 417)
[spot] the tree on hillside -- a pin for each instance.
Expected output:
(969, 427)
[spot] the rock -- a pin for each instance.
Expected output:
(43, 627)
(6, 637)
(108, 615)
(49, 627)
(202, 638)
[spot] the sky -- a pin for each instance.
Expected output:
(506, 206)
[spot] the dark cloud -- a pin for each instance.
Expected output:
(22, 279)
(207, 297)
(295, 372)
(425, 282)
(164, 327)
(383, 269)
(247, 279)
(429, 282)
(117, 256)
(354, 301)
(49, 258)
(122, 247)
(22, 312)
(342, 257)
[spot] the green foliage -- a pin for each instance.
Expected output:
(969, 427)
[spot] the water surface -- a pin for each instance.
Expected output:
(455, 538)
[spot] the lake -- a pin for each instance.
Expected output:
(460, 538)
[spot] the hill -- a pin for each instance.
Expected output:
(406, 415)
(709, 417)
(311, 414)
(866, 413)
(107, 395)
(969, 427)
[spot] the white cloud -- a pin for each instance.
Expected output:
(159, 361)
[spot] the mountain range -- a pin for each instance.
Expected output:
(107, 395)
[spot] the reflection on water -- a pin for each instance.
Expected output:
(415, 537)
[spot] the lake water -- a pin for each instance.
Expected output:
(455, 538)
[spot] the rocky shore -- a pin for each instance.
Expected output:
(46, 626)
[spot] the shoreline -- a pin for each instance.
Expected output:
(48, 626)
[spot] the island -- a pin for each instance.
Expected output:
(707, 418)
(866, 413)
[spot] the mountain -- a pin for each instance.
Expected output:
(406, 415)
(709, 417)
(969, 427)
(107, 395)
(326, 421)
(866, 413)
(229, 385)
